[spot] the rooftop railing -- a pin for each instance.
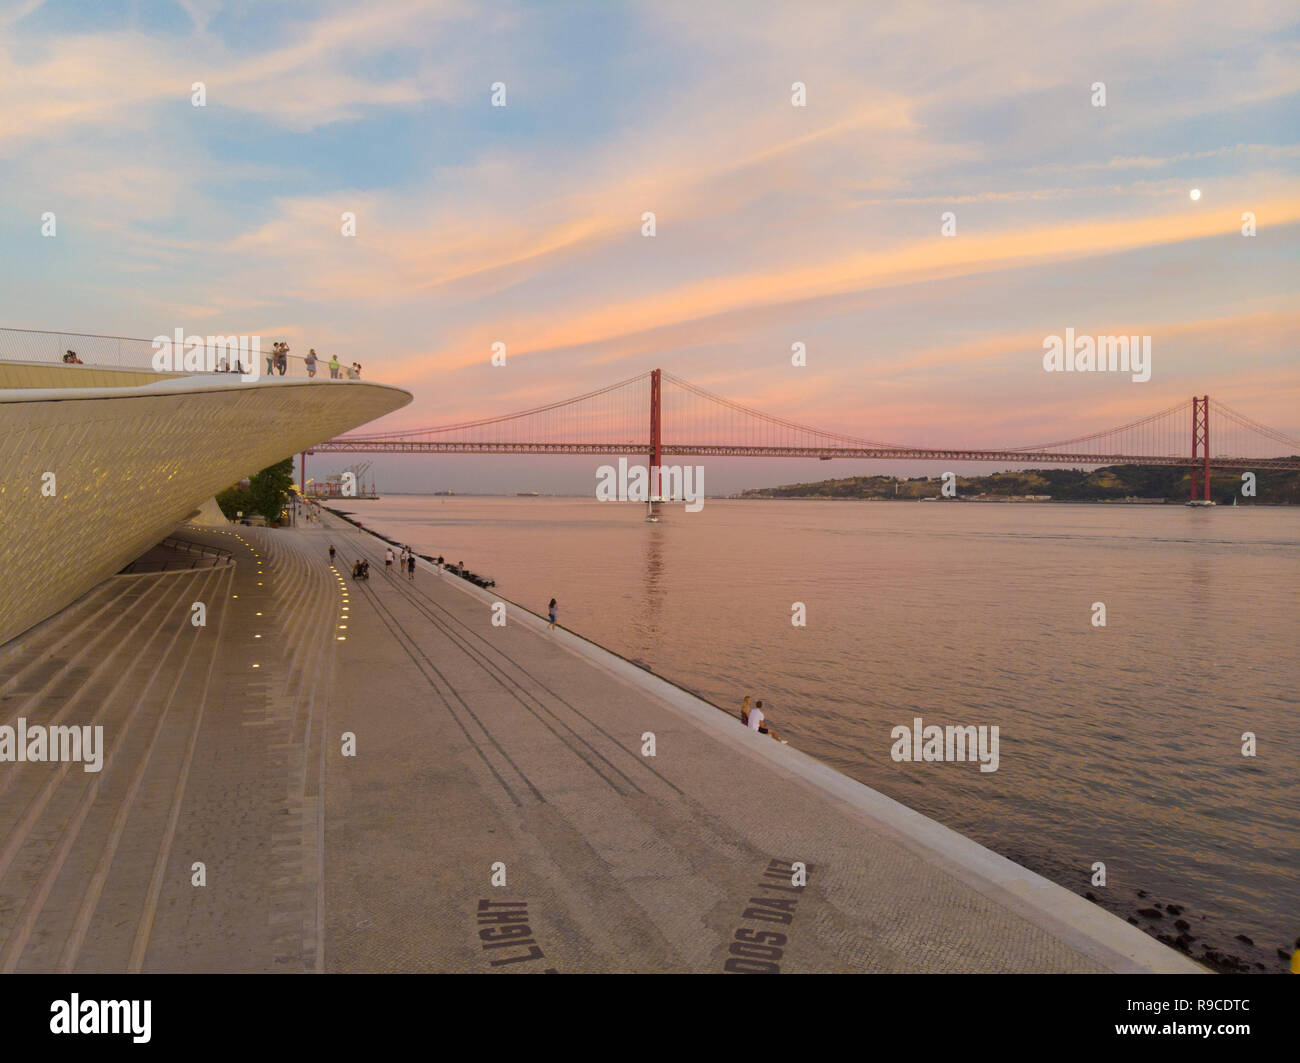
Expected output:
(129, 352)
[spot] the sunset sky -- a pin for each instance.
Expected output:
(776, 224)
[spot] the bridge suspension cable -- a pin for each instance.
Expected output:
(637, 415)
(780, 422)
(1254, 426)
(1141, 422)
(518, 415)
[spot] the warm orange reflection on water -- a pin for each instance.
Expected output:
(1120, 744)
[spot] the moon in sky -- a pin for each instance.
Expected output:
(1196, 193)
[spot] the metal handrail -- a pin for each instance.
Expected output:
(194, 548)
(203, 552)
(42, 347)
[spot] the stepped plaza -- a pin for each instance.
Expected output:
(347, 767)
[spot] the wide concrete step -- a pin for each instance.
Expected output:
(206, 736)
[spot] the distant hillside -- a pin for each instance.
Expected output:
(1113, 483)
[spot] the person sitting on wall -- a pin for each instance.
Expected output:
(758, 722)
(71, 358)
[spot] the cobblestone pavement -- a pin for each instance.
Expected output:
(481, 746)
(339, 776)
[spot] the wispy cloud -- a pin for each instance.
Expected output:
(774, 223)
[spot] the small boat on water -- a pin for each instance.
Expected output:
(1200, 502)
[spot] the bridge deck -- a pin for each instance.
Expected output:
(475, 745)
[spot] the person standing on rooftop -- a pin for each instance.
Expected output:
(334, 366)
(310, 360)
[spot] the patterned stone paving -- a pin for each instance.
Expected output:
(482, 754)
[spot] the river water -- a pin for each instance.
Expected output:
(1119, 744)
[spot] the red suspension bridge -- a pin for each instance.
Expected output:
(662, 415)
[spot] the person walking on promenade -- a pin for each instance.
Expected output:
(744, 711)
(310, 361)
(388, 559)
(410, 567)
(334, 366)
(551, 611)
(331, 553)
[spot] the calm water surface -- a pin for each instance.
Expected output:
(1119, 744)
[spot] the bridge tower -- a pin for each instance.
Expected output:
(1201, 446)
(656, 455)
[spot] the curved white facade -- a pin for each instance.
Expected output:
(91, 476)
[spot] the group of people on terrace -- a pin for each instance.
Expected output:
(278, 360)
